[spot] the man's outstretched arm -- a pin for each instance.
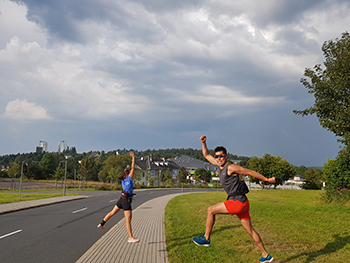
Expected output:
(205, 150)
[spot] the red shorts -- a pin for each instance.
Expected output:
(241, 210)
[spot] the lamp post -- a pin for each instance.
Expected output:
(65, 174)
(20, 184)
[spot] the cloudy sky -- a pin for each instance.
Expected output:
(109, 74)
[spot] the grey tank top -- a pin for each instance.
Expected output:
(230, 183)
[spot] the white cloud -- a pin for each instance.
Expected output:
(23, 110)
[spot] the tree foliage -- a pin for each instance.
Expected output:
(313, 179)
(337, 174)
(114, 166)
(331, 88)
(86, 168)
(182, 175)
(270, 166)
(202, 174)
(48, 164)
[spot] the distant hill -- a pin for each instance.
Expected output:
(165, 153)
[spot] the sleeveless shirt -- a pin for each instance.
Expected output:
(231, 184)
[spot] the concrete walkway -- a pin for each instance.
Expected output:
(147, 225)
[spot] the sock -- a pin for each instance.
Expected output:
(103, 222)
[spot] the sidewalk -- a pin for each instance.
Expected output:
(147, 225)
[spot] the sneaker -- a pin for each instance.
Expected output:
(133, 240)
(267, 259)
(100, 226)
(201, 241)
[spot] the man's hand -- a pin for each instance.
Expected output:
(272, 180)
(203, 138)
(131, 154)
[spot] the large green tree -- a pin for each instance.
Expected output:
(114, 166)
(48, 164)
(271, 166)
(337, 174)
(331, 87)
(86, 169)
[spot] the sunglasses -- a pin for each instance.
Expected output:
(219, 156)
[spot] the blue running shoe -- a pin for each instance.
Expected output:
(267, 259)
(201, 241)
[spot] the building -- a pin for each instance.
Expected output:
(42, 147)
(154, 165)
(62, 146)
(191, 164)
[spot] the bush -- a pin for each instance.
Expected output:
(337, 174)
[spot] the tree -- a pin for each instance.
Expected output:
(86, 169)
(117, 164)
(337, 174)
(33, 171)
(270, 166)
(202, 174)
(57, 174)
(313, 179)
(182, 175)
(15, 170)
(331, 88)
(48, 164)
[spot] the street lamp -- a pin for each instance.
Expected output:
(65, 174)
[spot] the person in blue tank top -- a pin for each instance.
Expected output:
(124, 201)
(237, 202)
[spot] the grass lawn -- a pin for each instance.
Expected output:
(295, 226)
(11, 197)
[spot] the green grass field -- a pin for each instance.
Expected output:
(295, 226)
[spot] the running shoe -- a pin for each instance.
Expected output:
(201, 241)
(267, 259)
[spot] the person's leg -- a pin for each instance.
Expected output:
(247, 225)
(213, 210)
(128, 217)
(115, 210)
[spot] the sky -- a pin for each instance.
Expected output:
(115, 74)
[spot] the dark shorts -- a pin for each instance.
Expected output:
(124, 204)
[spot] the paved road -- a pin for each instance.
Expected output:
(62, 232)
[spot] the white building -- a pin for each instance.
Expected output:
(62, 146)
(42, 147)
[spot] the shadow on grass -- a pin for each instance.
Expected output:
(184, 240)
(337, 244)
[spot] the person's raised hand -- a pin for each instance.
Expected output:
(203, 138)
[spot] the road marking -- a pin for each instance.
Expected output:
(80, 210)
(12, 233)
(114, 200)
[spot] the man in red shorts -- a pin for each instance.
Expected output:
(237, 202)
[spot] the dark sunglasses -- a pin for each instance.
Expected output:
(219, 156)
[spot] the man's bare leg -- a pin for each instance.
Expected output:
(247, 224)
(213, 210)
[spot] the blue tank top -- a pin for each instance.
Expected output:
(128, 185)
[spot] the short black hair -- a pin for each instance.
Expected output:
(221, 149)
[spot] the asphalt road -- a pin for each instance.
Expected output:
(63, 232)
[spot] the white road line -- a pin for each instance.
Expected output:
(80, 210)
(114, 200)
(12, 233)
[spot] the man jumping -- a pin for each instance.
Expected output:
(237, 202)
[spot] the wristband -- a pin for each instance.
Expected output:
(266, 179)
